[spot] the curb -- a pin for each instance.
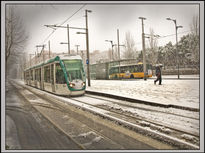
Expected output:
(140, 101)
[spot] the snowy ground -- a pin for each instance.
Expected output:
(172, 91)
(181, 92)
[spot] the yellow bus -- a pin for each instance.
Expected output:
(129, 71)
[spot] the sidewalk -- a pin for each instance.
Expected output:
(183, 93)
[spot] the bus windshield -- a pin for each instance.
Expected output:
(74, 69)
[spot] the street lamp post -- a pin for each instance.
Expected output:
(176, 27)
(66, 44)
(151, 37)
(112, 47)
(87, 42)
(67, 27)
(143, 47)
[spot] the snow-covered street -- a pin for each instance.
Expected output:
(154, 119)
(184, 92)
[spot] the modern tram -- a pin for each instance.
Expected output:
(61, 75)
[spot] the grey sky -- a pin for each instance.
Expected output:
(104, 21)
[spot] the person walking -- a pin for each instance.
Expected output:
(159, 75)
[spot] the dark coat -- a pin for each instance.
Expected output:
(158, 72)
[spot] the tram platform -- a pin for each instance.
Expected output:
(184, 93)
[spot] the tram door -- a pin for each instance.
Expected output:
(52, 77)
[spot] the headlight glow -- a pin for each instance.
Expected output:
(72, 85)
(83, 84)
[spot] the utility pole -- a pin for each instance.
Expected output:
(68, 39)
(30, 59)
(77, 48)
(87, 44)
(37, 53)
(118, 48)
(143, 48)
(43, 54)
(35, 59)
(118, 45)
(49, 49)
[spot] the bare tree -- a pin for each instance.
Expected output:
(15, 36)
(194, 42)
(153, 45)
(194, 26)
(130, 46)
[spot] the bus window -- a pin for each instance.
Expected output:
(140, 68)
(122, 69)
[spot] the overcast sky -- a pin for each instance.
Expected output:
(103, 23)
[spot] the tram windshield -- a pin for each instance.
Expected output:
(74, 69)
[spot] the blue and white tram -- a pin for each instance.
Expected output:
(62, 75)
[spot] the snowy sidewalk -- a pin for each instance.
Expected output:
(183, 93)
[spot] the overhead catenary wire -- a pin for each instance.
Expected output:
(62, 23)
(72, 15)
(161, 37)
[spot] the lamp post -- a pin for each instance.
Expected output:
(111, 46)
(87, 44)
(176, 27)
(143, 47)
(151, 39)
(67, 27)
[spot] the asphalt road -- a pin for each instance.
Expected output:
(27, 129)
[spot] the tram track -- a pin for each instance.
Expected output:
(20, 89)
(138, 107)
(80, 139)
(139, 121)
(162, 127)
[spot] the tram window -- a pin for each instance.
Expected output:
(32, 75)
(60, 79)
(47, 74)
(39, 74)
(36, 74)
(74, 74)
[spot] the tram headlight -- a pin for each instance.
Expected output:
(83, 84)
(72, 85)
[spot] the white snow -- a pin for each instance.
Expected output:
(172, 91)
